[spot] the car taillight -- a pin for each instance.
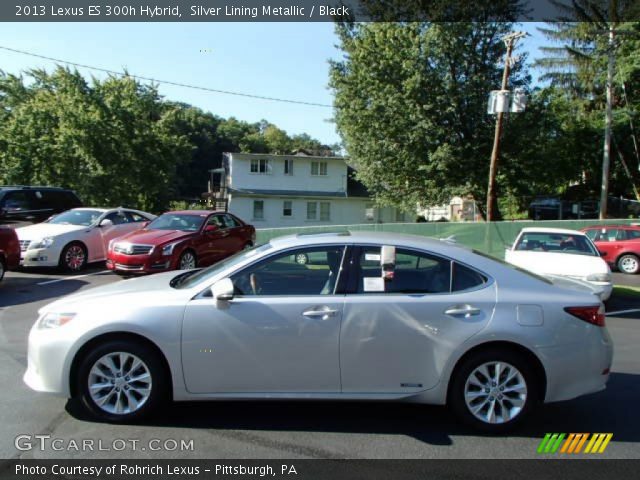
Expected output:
(592, 314)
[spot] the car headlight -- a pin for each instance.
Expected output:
(54, 320)
(45, 242)
(168, 249)
(599, 277)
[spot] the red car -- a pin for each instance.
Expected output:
(619, 245)
(180, 241)
(9, 250)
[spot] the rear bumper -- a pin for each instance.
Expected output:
(578, 369)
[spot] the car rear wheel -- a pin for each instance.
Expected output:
(494, 391)
(2, 269)
(629, 264)
(121, 381)
(187, 260)
(73, 257)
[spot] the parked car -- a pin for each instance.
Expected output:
(180, 240)
(21, 205)
(618, 244)
(9, 250)
(553, 208)
(383, 317)
(76, 237)
(564, 253)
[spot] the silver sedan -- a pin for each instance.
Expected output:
(369, 316)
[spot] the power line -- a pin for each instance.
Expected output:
(166, 82)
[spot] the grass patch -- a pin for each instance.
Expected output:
(625, 291)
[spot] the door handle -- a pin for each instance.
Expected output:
(466, 310)
(315, 313)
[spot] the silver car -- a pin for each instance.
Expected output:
(370, 316)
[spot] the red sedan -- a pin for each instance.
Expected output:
(619, 245)
(180, 241)
(9, 250)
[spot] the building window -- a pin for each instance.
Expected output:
(312, 210)
(325, 211)
(369, 212)
(319, 168)
(288, 166)
(260, 166)
(287, 208)
(258, 209)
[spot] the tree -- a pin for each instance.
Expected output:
(411, 106)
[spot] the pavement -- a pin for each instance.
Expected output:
(292, 430)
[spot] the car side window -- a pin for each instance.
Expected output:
(217, 221)
(136, 217)
(465, 278)
(611, 234)
(633, 234)
(415, 272)
(301, 272)
(118, 218)
(230, 221)
(17, 201)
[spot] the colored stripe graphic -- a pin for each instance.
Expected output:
(574, 442)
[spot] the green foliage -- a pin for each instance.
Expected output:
(118, 142)
(411, 106)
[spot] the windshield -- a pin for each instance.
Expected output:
(193, 277)
(77, 217)
(176, 221)
(556, 243)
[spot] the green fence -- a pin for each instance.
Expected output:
(491, 238)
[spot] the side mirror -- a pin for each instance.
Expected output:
(106, 223)
(388, 261)
(210, 228)
(223, 289)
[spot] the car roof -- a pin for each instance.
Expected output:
(194, 212)
(551, 230)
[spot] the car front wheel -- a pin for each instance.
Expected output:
(629, 264)
(73, 257)
(121, 381)
(494, 391)
(187, 261)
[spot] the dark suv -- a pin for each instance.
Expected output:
(21, 205)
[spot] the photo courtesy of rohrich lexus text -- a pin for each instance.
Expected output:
(319, 239)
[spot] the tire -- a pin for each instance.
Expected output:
(2, 269)
(469, 389)
(628, 263)
(187, 260)
(73, 257)
(126, 400)
(302, 258)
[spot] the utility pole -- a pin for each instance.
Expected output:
(606, 154)
(510, 41)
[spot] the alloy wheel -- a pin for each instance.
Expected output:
(119, 383)
(629, 264)
(74, 257)
(187, 261)
(495, 392)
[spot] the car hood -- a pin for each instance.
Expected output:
(137, 289)
(155, 237)
(555, 263)
(41, 230)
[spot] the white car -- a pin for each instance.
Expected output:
(76, 237)
(557, 252)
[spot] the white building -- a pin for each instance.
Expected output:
(297, 190)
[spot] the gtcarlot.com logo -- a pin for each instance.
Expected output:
(574, 443)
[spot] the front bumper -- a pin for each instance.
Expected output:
(46, 361)
(139, 264)
(39, 257)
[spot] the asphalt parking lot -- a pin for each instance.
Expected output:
(285, 429)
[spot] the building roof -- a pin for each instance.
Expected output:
(286, 193)
(294, 155)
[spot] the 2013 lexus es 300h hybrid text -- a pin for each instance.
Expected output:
(369, 316)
